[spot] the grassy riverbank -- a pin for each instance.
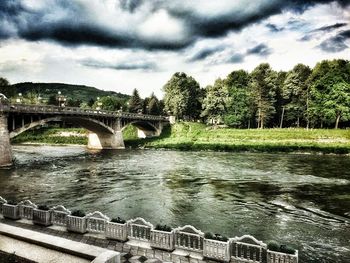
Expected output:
(53, 136)
(197, 136)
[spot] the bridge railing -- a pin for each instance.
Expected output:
(50, 109)
(245, 249)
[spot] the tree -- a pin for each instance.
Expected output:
(295, 92)
(216, 101)
(337, 106)
(263, 91)
(6, 89)
(153, 106)
(52, 100)
(135, 102)
(183, 96)
(328, 78)
(91, 102)
(238, 108)
(109, 103)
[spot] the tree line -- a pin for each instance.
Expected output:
(264, 98)
(31, 95)
(302, 97)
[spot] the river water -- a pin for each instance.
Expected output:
(301, 200)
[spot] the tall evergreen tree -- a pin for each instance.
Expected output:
(263, 91)
(238, 109)
(135, 102)
(7, 89)
(296, 94)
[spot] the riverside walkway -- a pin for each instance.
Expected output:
(128, 253)
(135, 240)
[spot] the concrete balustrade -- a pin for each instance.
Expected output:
(245, 249)
(278, 257)
(162, 239)
(96, 222)
(42, 217)
(10, 211)
(59, 215)
(76, 224)
(26, 209)
(217, 250)
(117, 231)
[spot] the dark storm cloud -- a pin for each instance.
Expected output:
(316, 33)
(260, 50)
(142, 65)
(329, 28)
(130, 5)
(236, 58)
(336, 43)
(206, 52)
(274, 28)
(78, 24)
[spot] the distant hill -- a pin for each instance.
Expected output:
(75, 92)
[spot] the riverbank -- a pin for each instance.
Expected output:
(199, 137)
(187, 136)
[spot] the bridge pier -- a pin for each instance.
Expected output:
(5, 146)
(105, 141)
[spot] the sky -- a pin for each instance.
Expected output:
(120, 45)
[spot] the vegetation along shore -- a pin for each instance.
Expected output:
(199, 137)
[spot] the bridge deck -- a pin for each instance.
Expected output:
(74, 111)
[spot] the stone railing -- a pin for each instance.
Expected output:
(245, 249)
(26, 209)
(49, 109)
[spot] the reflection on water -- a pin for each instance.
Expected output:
(303, 200)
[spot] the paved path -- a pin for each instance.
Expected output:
(129, 253)
(36, 253)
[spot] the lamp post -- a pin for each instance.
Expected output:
(19, 98)
(61, 98)
(39, 99)
(99, 104)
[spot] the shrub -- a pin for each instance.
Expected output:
(118, 220)
(78, 213)
(11, 202)
(43, 207)
(274, 246)
(217, 237)
(163, 228)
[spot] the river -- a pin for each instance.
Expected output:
(301, 200)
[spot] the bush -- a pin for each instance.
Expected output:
(78, 213)
(274, 246)
(43, 207)
(163, 228)
(217, 237)
(118, 220)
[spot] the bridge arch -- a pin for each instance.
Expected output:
(89, 124)
(144, 128)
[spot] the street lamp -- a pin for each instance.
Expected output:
(61, 98)
(20, 98)
(99, 104)
(39, 99)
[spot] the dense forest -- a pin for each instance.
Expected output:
(263, 98)
(301, 97)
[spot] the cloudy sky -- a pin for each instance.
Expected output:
(125, 44)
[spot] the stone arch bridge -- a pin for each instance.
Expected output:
(105, 127)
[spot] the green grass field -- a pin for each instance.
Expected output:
(199, 137)
(53, 136)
